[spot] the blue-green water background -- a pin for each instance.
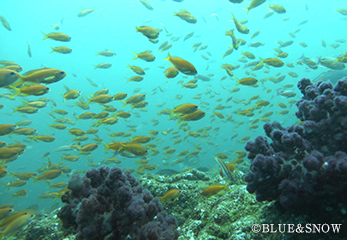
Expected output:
(113, 28)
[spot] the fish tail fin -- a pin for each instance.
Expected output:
(90, 100)
(125, 103)
(137, 29)
(137, 56)
(171, 113)
(14, 110)
(128, 67)
(180, 120)
(238, 81)
(122, 146)
(233, 16)
(46, 36)
(36, 179)
(107, 146)
(56, 197)
(168, 57)
(52, 50)
(18, 91)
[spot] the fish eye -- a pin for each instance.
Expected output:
(62, 72)
(13, 73)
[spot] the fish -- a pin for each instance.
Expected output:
(182, 65)
(20, 193)
(194, 116)
(235, 42)
(170, 195)
(277, 8)
(63, 50)
(35, 90)
(48, 175)
(43, 75)
(17, 224)
(62, 37)
(171, 72)
(214, 189)
(189, 35)
(147, 31)
(332, 63)
(146, 56)
(185, 108)
(133, 148)
(248, 81)
(5, 23)
(136, 69)
(29, 50)
(186, 16)
(146, 4)
(106, 53)
(85, 12)
(134, 99)
(240, 28)
(8, 77)
(254, 4)
(226, 171)
(103, 66)
(71, 94)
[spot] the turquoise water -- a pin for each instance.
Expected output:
(112, 27)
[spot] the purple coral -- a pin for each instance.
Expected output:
(305, 167)
(110, 204)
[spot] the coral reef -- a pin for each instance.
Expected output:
(304, 168)
(224, 216)
(110, 204)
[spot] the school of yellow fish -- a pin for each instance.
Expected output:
(28, 89)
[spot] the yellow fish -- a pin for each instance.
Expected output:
(197, 115)
(43, 75)
(240, 28)
(106, 53)
(149, 32)
(63, 50)
(85, 12)
(36, 90)
(62, 37)
(48, 175)
(15, 225)
(170, 195)
(8, 77)
(171, 72)
(182, 65)
(5, 23)
(214, 189)
(254, 4)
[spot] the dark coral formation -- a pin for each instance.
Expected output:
(304, 168)
(110, 204)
